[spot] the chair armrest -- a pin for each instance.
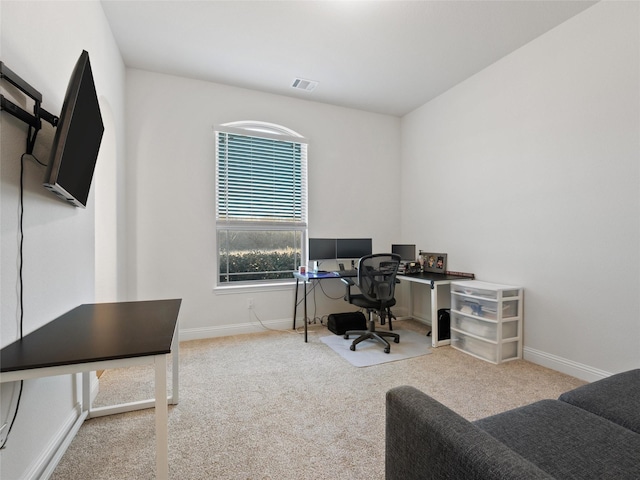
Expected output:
(348, 282)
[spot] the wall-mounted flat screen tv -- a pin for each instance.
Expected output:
(77, 139)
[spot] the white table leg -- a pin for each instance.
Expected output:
(162, 419)
(86, 392)
(411, 299)
(434, 316)
(175, 374)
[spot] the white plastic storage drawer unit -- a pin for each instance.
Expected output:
(486, 320)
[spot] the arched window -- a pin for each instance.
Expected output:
(261, 201)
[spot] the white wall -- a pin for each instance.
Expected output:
(528, 174)
(110, 203)
(171, 197)
(41, 42)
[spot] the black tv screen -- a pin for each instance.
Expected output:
(354, 247)
(322, 248)
(77, 139)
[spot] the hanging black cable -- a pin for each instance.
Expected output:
(20, 285)
(21, 228)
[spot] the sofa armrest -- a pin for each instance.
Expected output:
(426, 440)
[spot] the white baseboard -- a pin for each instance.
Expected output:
(237, 329)
(564, 365)
(49, 458)
(252, 327)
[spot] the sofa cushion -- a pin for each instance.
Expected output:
(568, 442)
(616, 398)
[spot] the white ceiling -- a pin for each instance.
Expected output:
(381, 56)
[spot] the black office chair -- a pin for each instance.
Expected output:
(377, 283)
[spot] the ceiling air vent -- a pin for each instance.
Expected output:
(306, 85)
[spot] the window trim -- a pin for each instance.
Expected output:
(241, 287)
(274, 132)
(261, 129)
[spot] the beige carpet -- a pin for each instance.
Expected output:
(269, 406)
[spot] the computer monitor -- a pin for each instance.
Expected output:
(353, 247)
(322, 249)
(407, 252)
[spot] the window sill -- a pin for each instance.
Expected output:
(266, 287)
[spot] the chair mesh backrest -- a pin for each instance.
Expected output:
(377, 276)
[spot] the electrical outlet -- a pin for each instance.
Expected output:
(250, 303)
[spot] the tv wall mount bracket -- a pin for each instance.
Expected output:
(33, 120)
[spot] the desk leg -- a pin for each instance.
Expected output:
(162, 419)
(175, 374)
(411, 299)
(295, 304)
(304, 285)
(86, 392)
(434, 316)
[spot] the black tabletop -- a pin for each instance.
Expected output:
(434, 277)
(96, 332)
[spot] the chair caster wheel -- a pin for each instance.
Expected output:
(397, 340)
(352, 348)
(346, 337)
(387, 350)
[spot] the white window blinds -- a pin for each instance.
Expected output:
(261, 179)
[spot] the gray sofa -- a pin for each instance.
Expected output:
(591, 432)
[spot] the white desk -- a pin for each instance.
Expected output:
(102, 336)
(440, 296)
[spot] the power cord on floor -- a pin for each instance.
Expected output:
(269, 328)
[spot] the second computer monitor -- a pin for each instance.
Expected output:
(347, 248)
(407, 252)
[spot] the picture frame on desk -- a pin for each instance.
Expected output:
(435, 262)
